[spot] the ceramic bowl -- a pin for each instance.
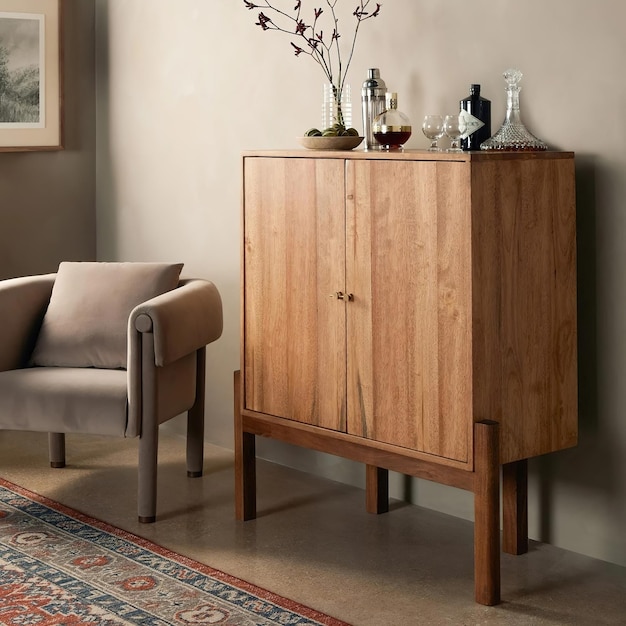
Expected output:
(347, 142)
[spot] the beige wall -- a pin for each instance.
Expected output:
(47, 199)
(185, 85)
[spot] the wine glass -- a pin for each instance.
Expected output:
(454, 126)
(432, 127)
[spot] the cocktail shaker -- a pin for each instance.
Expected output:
(373, 103)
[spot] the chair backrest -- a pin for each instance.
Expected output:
(86, 322)
(23, 304)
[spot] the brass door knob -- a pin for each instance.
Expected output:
(346, 297)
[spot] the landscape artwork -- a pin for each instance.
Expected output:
(22, 70)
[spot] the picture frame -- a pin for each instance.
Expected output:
(31, 75)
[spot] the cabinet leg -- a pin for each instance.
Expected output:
(376, 489)
(515, 507)
(486, 513)
(245, 463)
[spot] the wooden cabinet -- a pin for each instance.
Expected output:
(413, 311)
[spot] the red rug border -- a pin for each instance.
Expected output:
(286, 603)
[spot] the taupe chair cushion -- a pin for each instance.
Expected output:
(65, 400)
(85, 324)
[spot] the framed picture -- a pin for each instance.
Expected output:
(31, 85)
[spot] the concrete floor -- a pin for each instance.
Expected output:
(314, 543)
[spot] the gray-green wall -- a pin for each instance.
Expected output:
(183, 86)
(186, 85)
(47, 199)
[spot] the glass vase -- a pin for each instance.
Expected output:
(513, 135)
(336, 106)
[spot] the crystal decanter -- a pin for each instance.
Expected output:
(391, 128)
(513, 135)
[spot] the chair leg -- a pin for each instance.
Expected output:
(147, 484)
(56, 449)
(149, 438)
(195, 421)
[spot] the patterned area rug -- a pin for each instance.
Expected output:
(60, 567)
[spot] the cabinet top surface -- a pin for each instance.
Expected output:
(410, 155)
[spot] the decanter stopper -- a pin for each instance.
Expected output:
(513, 135)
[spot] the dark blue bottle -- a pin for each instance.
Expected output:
(480, 108)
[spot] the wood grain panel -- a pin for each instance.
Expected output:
(294, 248)
(448, 432)
(368, 451)
(407, 263)
(415, 155)
(462, 272)
(524, 275)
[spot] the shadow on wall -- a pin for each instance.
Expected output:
(587, 296)
(591, 467)
(106, 218)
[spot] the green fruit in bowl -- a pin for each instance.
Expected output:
(336, 130)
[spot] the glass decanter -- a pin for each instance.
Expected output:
(391, 128)
(513, 135)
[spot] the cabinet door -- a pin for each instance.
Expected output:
(409, 325)
(293, 348)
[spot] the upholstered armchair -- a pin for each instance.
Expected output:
(108, 349)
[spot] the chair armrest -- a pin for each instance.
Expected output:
(182, 320)
(23, 304)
